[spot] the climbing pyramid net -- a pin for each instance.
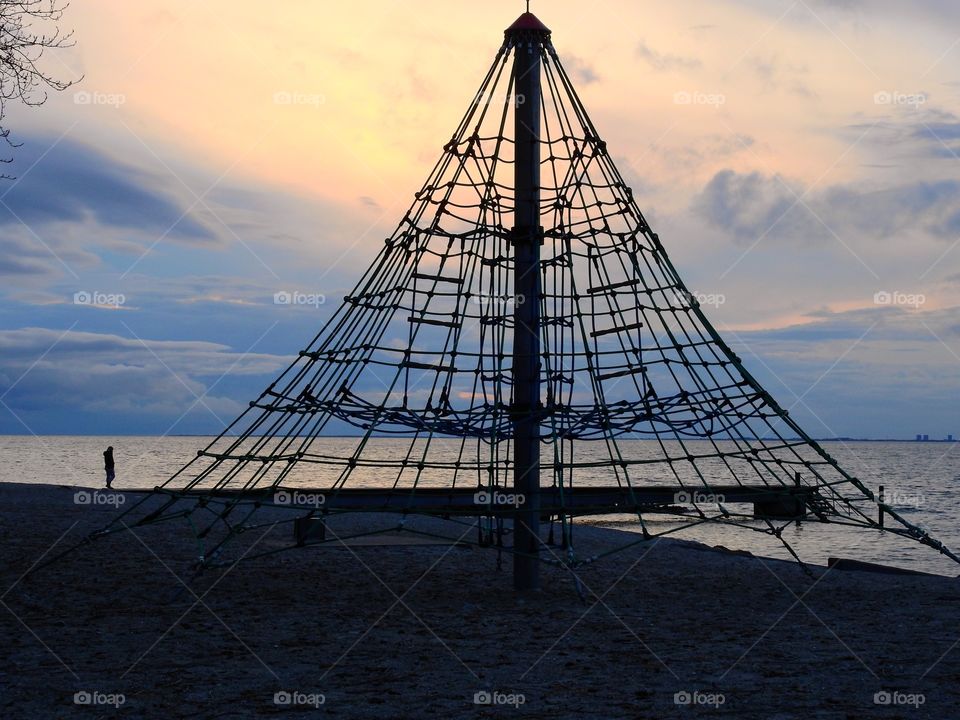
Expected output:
(418, 364)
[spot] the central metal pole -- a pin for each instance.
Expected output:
(527, 238)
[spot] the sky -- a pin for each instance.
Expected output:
(800, 161)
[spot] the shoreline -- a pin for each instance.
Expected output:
(605, 530)
(394, 437)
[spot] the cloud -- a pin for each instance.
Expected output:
(26, 257)
(665, 62)
(908, 136)
(370, 202)
(67, 181)
(840, 4)
(750, 206)
(77, 215)
(191, 356)
(884, 322)
(713, 148)
(940, 137)
(879, 372)
(84, 380)
(939, 131)
(775, 76)
(933, 11)
(20, 261)
(581, 70)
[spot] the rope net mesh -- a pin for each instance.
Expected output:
(421, 352)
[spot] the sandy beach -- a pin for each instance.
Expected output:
(666, 629)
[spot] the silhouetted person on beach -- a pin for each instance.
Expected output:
(108, 465)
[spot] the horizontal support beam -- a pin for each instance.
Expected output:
(582, 500)
(616, 329)
(438, 278)
(434, 321)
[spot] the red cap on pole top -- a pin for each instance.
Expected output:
(528, 22)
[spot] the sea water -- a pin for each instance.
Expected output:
(922, 481)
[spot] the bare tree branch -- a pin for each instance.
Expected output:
(28, 28)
